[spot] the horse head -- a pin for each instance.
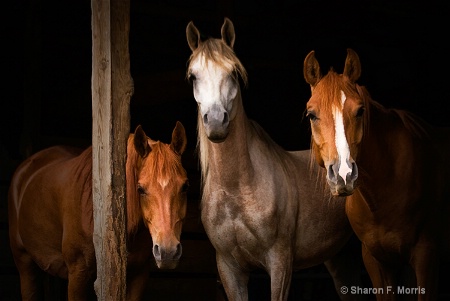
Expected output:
(213, 70)
(337, 114)
(161, 184)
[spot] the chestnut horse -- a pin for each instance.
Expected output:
(261, 206)
(394, 168)
(51, 218)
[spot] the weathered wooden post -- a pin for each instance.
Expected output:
(112, 87)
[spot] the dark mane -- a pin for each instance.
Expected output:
(413, 123)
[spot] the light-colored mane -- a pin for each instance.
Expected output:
(202, 148)
(215, 50)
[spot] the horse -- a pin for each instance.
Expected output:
(51, 214)
(392, 167)
(260, 205)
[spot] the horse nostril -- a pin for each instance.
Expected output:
(156, 251)
(205, 119)
(354, 175)
(178, 252)
(225, 118)
(331, 174)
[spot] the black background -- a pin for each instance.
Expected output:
(46, 74)
(402, 46)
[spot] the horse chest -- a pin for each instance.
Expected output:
(383, 233)
(232, 221)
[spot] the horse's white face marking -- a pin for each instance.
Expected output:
(163, 182)
(341, 140)
(213, 84)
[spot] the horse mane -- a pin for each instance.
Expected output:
(217, 51)
(202, 149)
(412, 123)
(133, 207)
(165, 162)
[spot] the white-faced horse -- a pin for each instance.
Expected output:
(261, 205)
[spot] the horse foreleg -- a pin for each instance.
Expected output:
(383, 277)
(425, 262)
(81, 280)
(234, 279)
(345, 269)
(31, 278)
(280, 270)
(81, 286)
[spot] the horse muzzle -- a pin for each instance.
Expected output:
(338, 185)
(216, 121)
(167, 256)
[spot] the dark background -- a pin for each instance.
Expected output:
(402, 46)
(46, 78)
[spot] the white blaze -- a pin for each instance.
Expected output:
(341, 140)
(163, 182)
(213, 85)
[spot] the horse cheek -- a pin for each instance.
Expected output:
(316, 144)
(356, 131)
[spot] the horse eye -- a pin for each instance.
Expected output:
(311, 116)
(360, 112)
(191, 77)
(185, 186)
(141, 190)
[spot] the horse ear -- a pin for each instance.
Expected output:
(179, 140)
(227, 32)
(352, 67)
(140, 142)
(311, 69)
(193, 36)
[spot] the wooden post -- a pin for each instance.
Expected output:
(112, 87)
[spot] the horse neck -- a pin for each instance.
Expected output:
(372, 144)
(387, 131)
(229, 162)
(376, 156)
